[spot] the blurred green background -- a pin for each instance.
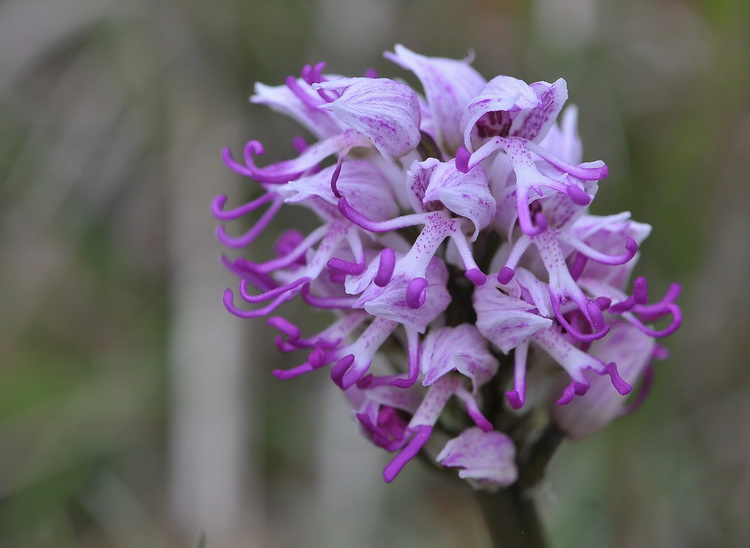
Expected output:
(135, 411)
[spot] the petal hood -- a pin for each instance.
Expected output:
(384, 110)
(449, 85)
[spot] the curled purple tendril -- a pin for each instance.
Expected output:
(313, 74)
(505, 275)
(416, 293)
(218, 203)
(335, 177)
(228, 300)
(299, 144)
(285, 326)
(575, 388)
(327, 302)
(286, 374)
(462, 159)
(385, 267)
(617, 381)
(592, 171)
(476, 276)
(272, 293)
(642, 312)
(422, 434)
(643, 391)
(598, 332)
(595, 313)
(529, 228)
(256, 230)
(240, 268)
(294, 87)
(578, 195)
(476, 415)
(640, 290)
(273, 174)
(353, 215)
(515, 399)
(576, 268)
(341, 368)
(349, 268)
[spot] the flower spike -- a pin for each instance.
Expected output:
(446, 226)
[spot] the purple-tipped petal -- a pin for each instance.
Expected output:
(640, 290)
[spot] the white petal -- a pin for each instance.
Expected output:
(465, 194)
(384, 110)
(449, 86)
(461, 349)
(504, 320)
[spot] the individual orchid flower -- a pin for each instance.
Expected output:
(426, 416)
(435, 189)
(522, 316)
(512, 117)
(448, 356)
(508, 107)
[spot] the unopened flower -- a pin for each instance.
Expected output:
(485, 459)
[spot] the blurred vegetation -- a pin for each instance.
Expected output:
(102, 105)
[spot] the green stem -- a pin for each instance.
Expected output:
(511, 515)
(512, 519)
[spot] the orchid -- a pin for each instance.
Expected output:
(454, 231)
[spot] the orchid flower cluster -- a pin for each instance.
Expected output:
(453, 235)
